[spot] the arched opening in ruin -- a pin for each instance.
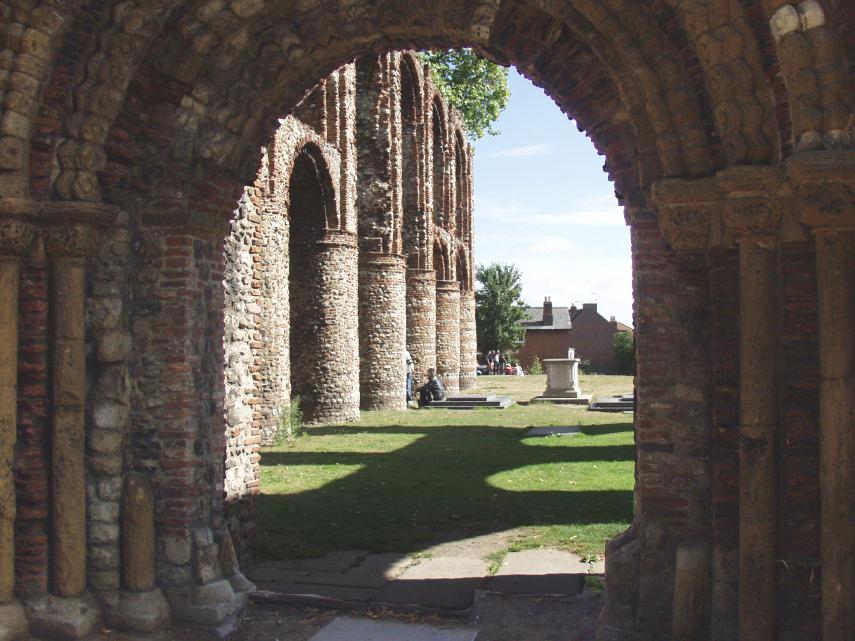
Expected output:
(726, 127)
(438, 146)
(311, 210)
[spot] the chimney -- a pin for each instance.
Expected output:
(590, 307)
(547, 311)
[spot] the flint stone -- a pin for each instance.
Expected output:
(177, 549)
(63, 618)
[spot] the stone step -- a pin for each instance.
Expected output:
(614, 404)
(463, 403)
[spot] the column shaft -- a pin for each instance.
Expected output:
(69, 399)
(758, 419)
(448, 334)
(468, 340)
(382, 331)
(8, 420)
(836, 302)
(324, 335)
(421, 320)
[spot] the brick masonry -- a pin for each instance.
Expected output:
(155, 113)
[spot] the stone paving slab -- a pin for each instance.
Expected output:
(358, 629)
(347, 579)
(442, 583)
(542, 562)
(553, 431)
(339, 592)
(389, 565)
(338, 561)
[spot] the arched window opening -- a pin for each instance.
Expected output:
(414, 225)
(460, 187)
(438, 165)
(310, 207)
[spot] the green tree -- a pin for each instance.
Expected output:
(624, 343)
(476, 87)
(499, 307)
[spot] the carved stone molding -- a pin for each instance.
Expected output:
(686, 210)
(74, 240)
(16, 237)
(751, 200)
(824, 183)
(751, 216)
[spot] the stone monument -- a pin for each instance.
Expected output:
(562, 381)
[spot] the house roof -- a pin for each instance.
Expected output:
(534, 318)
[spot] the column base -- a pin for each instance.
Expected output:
(213, 606)
(13, 622)
(63, 618)
(138, 611)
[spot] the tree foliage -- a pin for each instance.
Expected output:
(499, 307)
(476, 87)
(624, 343)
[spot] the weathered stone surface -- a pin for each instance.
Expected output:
(138, 534)
(146, 611)
(13, 622)
(63, 618)
(168, 115)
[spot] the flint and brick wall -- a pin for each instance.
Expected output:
(108, 114)
(448, 334)
(468, 341)
(421, 321)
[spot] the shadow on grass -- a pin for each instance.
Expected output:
(437, 488)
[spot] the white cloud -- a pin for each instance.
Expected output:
(603, 215)
(521, 152)
(549, 244)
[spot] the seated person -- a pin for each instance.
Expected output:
(432, 390)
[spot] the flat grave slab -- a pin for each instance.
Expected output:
(554, 430)
(356, 629)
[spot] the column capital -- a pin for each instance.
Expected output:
(16, 236)
(685, 211)
(749, 197)
(69, 226)
(70, 240)
(824, 183)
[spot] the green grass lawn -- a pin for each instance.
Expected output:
(403, 481)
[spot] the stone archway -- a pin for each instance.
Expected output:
(726, 127)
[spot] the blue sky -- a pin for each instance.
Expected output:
(543, 203)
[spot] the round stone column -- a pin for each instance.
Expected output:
(421, 321)
(448, 334)
(382, 331)
(324, 331)
(468, 340)
(15, 240)
(68, 247)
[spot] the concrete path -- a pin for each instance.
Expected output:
(443, 582)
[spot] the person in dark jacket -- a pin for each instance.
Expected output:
(432, 390)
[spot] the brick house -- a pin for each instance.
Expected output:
(550, 331)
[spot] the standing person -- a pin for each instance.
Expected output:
(410, 368)
(490, 365)
(432, 390)
(501, 363)
(496, 357)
